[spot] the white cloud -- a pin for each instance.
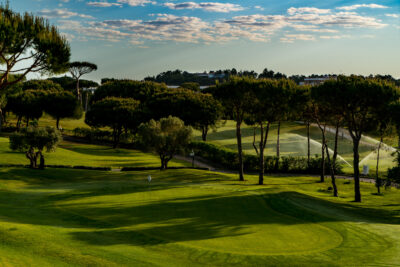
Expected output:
(334, 36)
(290, 38)
(207, 6)
(103, 4)
(136, 2)
(353, 7)
(343, 19)
(393, 15)
(61, 13)
(298, 24)
(311, 10)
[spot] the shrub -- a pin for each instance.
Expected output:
(394, 175)
(228, 159)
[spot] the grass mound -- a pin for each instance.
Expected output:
(190, 217)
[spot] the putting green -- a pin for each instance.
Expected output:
(59, 217)
(289, 236)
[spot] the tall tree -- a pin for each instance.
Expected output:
(235, 96)
(285, 99)
(201, 111)
(77, 70)
(360, 100)
(61, 105)
(263, 111)
(29, 44)
(33, 141)
(117, 113)
(324, 108)
(28, 104)
(167, 137)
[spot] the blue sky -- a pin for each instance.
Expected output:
(137, 38)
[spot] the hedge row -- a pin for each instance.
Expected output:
(394, 175)
(158, 168)
(228, 159)
(58, 167)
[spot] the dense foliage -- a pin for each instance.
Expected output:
(29, 44)
(117, 113)
(166, 137)
(33, 141)
(228, 159)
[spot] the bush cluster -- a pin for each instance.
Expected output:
(229, 159)
(94, 134)
(394, 175)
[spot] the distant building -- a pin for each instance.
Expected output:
(210, 75)
(316, 81)
(89, 89)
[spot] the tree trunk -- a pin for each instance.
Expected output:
(332, 167)
(378, 181)
(87, 101)
(162, 162)
(58, 123)
(27, 122)
(398, 141)
(204, 132)
(1, 119)
(356, 159)
(335, 150)
(308, 144)
(261, 156)
(323, 156)
(166, 164)
(31, 155)
(42, 163)
(278, 145)
(116, 136)
(240, 150)
(78, 91)
(19, 123)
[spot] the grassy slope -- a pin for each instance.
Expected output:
(294, 143)
(87, 155)
(46, 120)
(74, 217)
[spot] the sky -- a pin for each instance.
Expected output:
(137, 38)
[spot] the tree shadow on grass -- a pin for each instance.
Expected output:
(159, 215)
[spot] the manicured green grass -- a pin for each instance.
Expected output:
(191, 218)
(87, 155)
(46, 120)
(293, 142)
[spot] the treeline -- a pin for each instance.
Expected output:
(179, 77)
(357, 103)
(30, 99)
(123, 105)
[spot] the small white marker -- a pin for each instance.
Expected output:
(149, 178)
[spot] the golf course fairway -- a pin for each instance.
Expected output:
(190, 217)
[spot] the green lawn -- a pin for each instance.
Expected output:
(293, 141)
(46, 120)
(191, 218)
(87, 155)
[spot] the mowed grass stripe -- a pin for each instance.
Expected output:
(200, 217)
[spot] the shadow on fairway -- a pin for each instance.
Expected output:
(157, 216)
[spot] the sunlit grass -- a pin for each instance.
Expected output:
(191, 218)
